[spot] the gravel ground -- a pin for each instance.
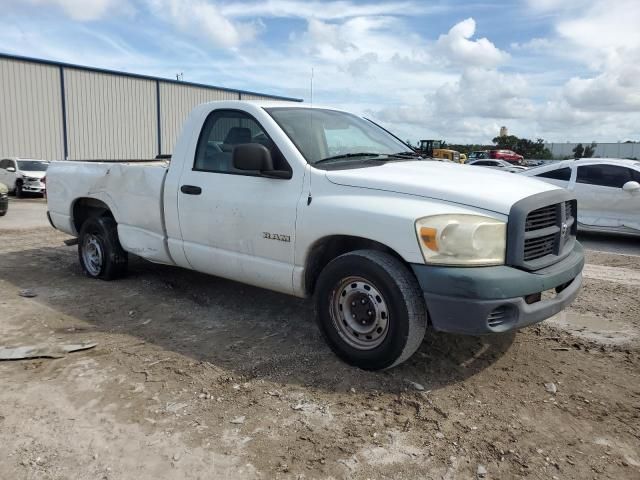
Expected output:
(199, 377)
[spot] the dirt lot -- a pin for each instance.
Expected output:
(198, 377)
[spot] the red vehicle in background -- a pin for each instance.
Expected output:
(508, 155)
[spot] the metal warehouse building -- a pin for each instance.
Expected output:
(56, 111)
(604, 150)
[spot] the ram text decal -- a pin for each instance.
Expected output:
(276, 236)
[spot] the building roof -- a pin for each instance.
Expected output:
(139, 76)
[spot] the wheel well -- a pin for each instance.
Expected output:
(85, 208)
(328, 248)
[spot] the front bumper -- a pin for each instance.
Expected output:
(33, 187)
(479, 300)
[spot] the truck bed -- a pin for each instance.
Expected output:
(133, 191)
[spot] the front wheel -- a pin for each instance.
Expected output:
(370, 309)
(18, 190)
(99, 250)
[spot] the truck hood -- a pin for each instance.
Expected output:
(478, 187)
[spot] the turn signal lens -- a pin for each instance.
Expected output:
(429, 238)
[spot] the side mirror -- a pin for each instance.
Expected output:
(11, 169)
(631, 187)
(256, 158)
(252, 156)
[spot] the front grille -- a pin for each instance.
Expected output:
(541, 232)
(568, 207)
(539, 247)
(541, 218)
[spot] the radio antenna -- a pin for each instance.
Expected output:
(311, 87)
(309, 196)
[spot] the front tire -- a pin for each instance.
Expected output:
(18, 190)
(370, 309)
(99, 250)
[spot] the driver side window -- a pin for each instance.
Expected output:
(222, 131)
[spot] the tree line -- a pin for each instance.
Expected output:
(522, 146)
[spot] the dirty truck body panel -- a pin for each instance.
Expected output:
(479, 243)
(133, 193)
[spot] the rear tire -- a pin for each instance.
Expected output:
(370, 309)
(99, 250)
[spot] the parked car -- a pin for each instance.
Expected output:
(608, 191)
(4, 199)
(23, 175)
(508, 155)
(529, 162)
(478, 155)
(498, 164)
(319, 202)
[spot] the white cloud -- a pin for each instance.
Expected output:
(610, 91)
(485, 93)
(538, 44)
(457, 46)
(325, 10)
(202, 19)
(470, 108)
(614, 52)
(87, 10)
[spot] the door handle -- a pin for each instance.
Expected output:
(190, 189)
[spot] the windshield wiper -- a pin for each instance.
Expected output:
(406, 154)
(349, 155)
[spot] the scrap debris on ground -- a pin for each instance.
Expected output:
(198, 377)
(42, 351)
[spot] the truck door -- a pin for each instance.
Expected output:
(601, 200)
(237, 225)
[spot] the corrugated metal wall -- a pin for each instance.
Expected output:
(604, 150)
(176, 101)
(110, 116)
(30, 110)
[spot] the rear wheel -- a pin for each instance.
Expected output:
(370, 309)
(99, 250)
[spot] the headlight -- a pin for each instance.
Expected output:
(471, 240)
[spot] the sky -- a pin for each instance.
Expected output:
(562, 70)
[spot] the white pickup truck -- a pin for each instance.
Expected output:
(319, 202)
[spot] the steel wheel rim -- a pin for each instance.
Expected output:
(92, 254)
(359, 313)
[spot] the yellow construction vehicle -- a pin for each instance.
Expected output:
(432, 148)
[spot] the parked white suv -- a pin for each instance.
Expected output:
(319, 202)
(23, 175)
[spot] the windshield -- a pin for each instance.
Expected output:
(324, 134)
(32, 165)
